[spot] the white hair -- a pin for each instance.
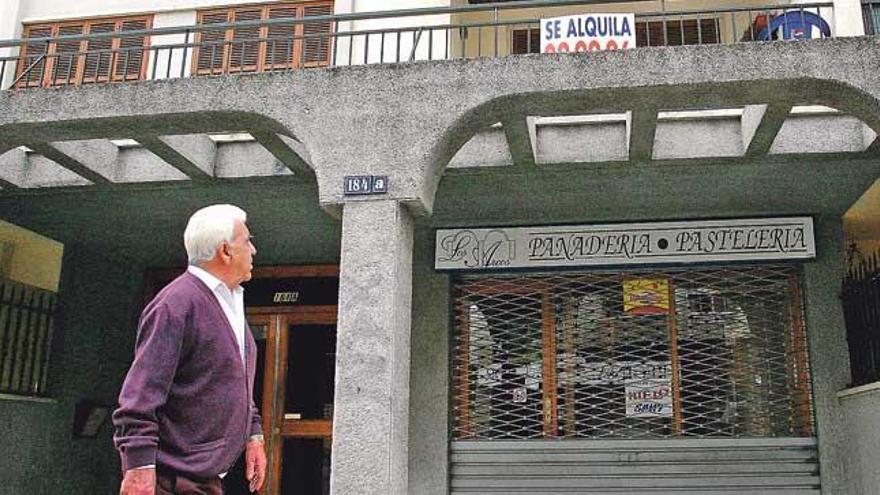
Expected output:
(208, 228)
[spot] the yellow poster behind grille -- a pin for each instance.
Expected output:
(644, 296)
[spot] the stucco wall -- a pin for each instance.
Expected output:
(92, 351)
(862, 438)
(829, 357)
(429, 376)
(30, 258)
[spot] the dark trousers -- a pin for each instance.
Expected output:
(171, 484)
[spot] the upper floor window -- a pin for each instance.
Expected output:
(84, 61)
(262, 48)
(674, 32)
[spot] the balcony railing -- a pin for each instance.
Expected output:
(465, 31)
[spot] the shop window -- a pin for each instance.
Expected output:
(660, 354)
(84, 61)
(263, 48)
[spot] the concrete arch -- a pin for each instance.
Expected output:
(511, 110)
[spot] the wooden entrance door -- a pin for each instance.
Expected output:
(298, 351)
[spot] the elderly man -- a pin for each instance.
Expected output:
(186, 409)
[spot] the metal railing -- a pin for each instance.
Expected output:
(860, 297)
(26, 322)
(465, 31)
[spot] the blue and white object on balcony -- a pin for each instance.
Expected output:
(795, 25)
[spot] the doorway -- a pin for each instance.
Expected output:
(291, 312)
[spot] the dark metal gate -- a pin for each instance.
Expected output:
(861, 308)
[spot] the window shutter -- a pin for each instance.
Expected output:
(131, 60)
(34, 54)
(316, 41)
(211, 46)
(280, 45)
(709, 31)
(98, 53)
(526, 41)
(678, 32)
(245, 49)
(65, 62)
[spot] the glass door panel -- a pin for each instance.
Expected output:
(306, 466)
(311, 361)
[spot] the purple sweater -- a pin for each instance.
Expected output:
(187, 401)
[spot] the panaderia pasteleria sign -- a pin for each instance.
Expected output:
(751, 239)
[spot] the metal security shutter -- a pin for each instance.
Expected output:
(670, 380)
(717, 352)
(777, 466)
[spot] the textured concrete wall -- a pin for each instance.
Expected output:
(429, 377)
(594, 142)
(829, 357)
(93, 346)
(690, 138)
(862, 439)
(371, 404)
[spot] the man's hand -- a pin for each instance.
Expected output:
(140, 482)
(255, 464)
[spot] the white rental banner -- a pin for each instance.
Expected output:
(588, 32)
(754, 239)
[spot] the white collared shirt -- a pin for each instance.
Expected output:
(232, 302)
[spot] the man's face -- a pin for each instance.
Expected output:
(242, 252)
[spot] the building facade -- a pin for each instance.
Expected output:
(483, 269)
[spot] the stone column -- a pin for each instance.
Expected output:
(371, 413)
(848, 18)
(829, 354)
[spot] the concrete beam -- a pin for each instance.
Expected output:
(11, 168)
(50, 152)
(99, 155)
(874, 147)
(771, 119)
(488, 148)
(519, 139)
(159, 147)
(246, 159)
(641, 129)
(139, 164)
(199, 149)
(371, 411)
(273, 142)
